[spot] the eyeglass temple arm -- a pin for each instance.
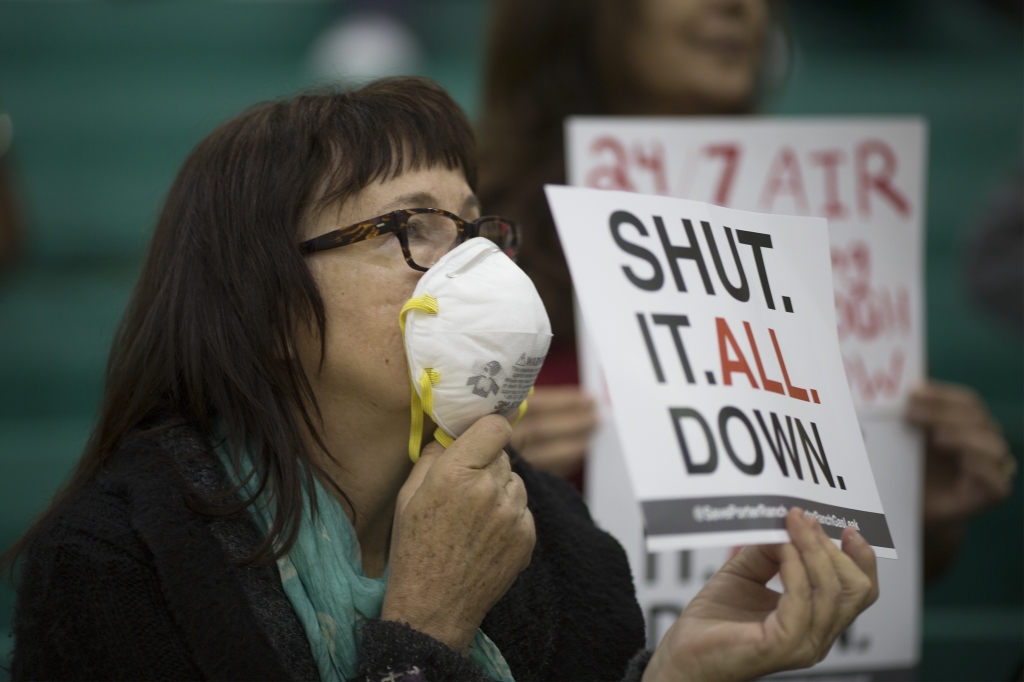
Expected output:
(368, 229)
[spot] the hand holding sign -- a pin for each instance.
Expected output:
(970, 466)
(736, 628)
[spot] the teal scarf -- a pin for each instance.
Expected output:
(323, 577)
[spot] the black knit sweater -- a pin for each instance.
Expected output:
(123, 581)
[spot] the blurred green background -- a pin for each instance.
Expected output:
(107, 98)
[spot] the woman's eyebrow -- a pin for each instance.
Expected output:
(413, 200)
(470, 204)
(428, 200)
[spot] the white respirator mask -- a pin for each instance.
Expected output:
(476, 334)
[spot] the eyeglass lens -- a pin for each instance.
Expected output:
(432, 236)
(502, 234)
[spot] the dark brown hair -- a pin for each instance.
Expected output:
(547, 60)
(207, 333)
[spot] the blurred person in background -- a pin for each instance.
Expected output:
(995, 261)
(10, 219)
(371, 39)
(247, 507)
(599, 57)
(550, 60)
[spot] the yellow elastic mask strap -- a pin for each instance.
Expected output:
(522, 408)
(420, 406)
(442, 437)
(427, 304)
(428, 377)
(416, 427)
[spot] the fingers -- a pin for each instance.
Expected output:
(965, 497)
(529, 532)
(993, 471)
(758, 563)
(977, 447)
(555, 434)
(556, 414)
(419, 471)
(517, 496)
(857, 589)
(557, 398)
(809, 540)
(936, 403)
(550, 424)
(959, 423)
(431, 451)
(966, 479)
(501, 469)
(972, 443)
(860, 552)
(793, 615)
(848, 582)
(933, 392)
(825, 589)
(480, 448)
(560, 457)
(559, 409)
(482, 442)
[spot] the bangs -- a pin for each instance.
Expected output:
(384, 129)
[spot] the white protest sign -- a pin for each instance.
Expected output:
(716, 332)
(866, 176)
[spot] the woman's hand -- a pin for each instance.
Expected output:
(554, 434)
(462, 534)
(738, 629)
(969, 466)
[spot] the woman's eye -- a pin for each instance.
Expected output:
(416, 229)
(426, 226)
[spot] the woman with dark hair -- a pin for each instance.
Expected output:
(247, 508)
(547, 61)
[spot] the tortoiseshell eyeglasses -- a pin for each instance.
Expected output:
(425, 234)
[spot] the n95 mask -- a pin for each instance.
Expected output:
(476, 334)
